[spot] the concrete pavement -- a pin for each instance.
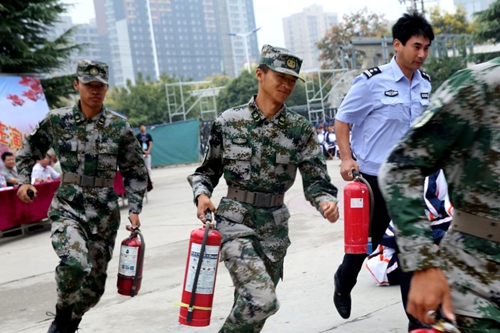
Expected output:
(27, 287)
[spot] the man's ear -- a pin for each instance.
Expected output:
(75, 85)
(259, 74)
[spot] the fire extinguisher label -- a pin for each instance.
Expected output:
(206, 279)
(128, 260)
(356, 202)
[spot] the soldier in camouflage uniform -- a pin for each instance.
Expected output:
(258, 147)
(460, 133)
(90, 141)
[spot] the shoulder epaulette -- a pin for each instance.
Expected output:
(370, 72)
(425, 75)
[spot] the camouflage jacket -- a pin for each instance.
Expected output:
(459, 133)
(91, 147)
(262, 155)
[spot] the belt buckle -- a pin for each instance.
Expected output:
(87, 181)
(262, 199)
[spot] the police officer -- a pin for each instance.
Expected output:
(381, 105)
(90, 142)
(258, 147)
(460, 133)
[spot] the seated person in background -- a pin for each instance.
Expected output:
(9, 171)
(56, 165)
(43, 172)
(330, 141)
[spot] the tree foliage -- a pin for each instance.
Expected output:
(446, 23)
(360, 24)
(488, 23)
(58, 89)
(24, 47)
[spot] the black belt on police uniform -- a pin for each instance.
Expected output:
(86, 181)
(476, 226)
(257, 199)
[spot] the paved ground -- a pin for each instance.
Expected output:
(27, 287)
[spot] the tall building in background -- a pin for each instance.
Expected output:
(185, 38)
(304, 30)
(473, 6)
(85, 34)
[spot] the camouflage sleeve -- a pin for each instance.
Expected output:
(207, 175)
(133, 169)
(434, 142)
(315, 179)
(35, 146)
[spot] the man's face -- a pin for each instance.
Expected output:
(275, 85)
(412, 55)
(92, 93)
(142, 128)
(10, 162)
(45, 161)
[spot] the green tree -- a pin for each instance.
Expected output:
(442, 67)
(488, 23)
(24, 47)
(238, 91)
(361, 23)
(446, 23)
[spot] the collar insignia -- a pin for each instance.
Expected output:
(391, 93)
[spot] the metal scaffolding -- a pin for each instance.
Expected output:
(318, 84)
(180, 102)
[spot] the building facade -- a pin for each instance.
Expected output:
(473, 6)
(303, 30)
(182, 38)
(84, 34)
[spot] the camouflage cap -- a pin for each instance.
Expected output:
(280, 60)
(92, 70)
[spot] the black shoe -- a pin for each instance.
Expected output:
(63, 322)
(416, 324)
(342, 300)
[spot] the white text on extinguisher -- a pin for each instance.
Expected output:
(208, 267)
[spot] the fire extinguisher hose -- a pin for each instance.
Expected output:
(140, 262)
(359, 177)
(191, 307)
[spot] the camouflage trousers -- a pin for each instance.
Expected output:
(81, 273)
(475, 286)
(255, 278)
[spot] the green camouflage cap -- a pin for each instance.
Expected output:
(92, 70)
(280, 60)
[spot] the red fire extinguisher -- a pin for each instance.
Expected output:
(358, 212)
(131, 263)
(439, 327)
(199, 278)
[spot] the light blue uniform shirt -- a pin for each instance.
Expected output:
(382, 104)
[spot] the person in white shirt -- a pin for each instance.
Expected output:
(43, 172)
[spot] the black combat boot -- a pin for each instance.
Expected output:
(61, 321)
(341, 299)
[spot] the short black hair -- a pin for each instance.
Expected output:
(412, 24)
(5, 155)
(263, 68)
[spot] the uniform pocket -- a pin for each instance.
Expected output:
(281, 216)
(107, 157)
(237, 163)
(68, 155)
(393, 108)
(285, 165)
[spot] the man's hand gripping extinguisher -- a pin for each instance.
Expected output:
(442, 325)
(199, 278)
(131, 263)
(358, 214)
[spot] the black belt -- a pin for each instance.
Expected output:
(476, 226)
(86, 181)
(257, 199)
